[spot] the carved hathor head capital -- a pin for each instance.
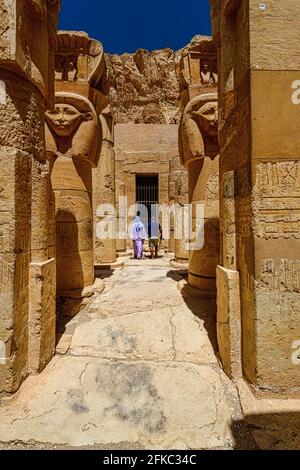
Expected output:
(72, 128)
(198, 130)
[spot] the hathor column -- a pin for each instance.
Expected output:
(259, 278)
(198, 149)
(74, 138)
(27, 245)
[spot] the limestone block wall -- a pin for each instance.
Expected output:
(259, 171)
(27, 242)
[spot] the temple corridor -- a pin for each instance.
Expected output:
(134, 368)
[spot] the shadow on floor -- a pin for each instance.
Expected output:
(178, 274)
(270, 431)
(104, 273)
(66, 310)
(204, 309)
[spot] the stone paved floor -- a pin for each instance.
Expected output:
(135, 368)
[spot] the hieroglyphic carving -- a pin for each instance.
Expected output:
(198, 65)
(66, 67)
(277, 200)
(212, 189)
(278, 178)
(81, 58)
(281, 275)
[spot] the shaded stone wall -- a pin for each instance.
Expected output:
(27, 242)
(259, 174)
(178, 197)
(105, 192)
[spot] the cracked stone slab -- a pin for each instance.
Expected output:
(151, 335)
(191, 341)
(80, 401)
(123, 300)
(136, 274)
(135, 336)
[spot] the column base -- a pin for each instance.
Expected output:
(117, 264)
(205, 285)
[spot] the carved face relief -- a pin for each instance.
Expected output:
(65, 119)
(207, 118)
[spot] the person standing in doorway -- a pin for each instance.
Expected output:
(138, 235)
(155, 236)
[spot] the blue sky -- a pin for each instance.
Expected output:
(126, 25)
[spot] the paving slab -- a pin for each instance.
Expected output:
(87, 401)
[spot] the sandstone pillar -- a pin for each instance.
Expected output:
(73, 137)
(259, 174)
(178, 194)
(104, 194)
(27, 264)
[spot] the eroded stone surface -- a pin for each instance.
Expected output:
(138, 366)
(104, 402)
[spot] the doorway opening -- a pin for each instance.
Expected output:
(146, 195)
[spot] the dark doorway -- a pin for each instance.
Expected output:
(146, 195)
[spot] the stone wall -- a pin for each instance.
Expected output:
(259, 175)
(27, 241)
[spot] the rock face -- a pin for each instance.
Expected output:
(144, 87)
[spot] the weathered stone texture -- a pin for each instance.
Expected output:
(259, 157)
(26, 217)
(144, 87)
(199, 153)
(74, 138)
(42, 328)
(178, 197)
(229, 321)
(28, 40)
(104, 194)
